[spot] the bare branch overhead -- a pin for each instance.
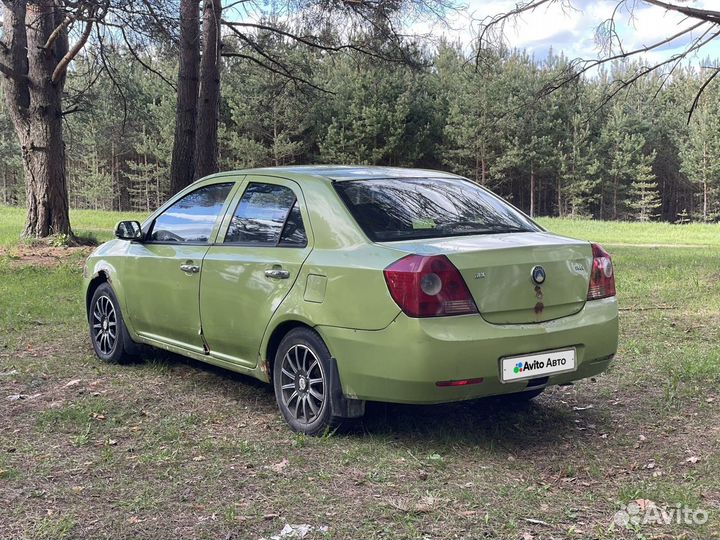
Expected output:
(704, 21)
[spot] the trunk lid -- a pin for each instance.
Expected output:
(498, 270)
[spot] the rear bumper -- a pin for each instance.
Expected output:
(403, 362)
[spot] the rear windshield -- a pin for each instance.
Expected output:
(409, 208)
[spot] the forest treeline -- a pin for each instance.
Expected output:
(571, 152)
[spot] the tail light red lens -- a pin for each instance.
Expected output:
(602, 275)
(428, 287)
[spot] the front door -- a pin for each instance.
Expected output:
(162, 286)
(250, 269)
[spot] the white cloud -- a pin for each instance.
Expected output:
(573, 30)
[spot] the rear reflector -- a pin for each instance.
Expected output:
(461, 382)
(602, 275)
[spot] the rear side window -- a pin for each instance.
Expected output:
(268, 215)
(192, 218)
(409, 208)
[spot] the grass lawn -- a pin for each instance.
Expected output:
(171, 448)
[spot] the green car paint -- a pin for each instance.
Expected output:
(228, 313)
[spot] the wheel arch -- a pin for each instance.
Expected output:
(275, 338)
(341, 406)
(101, 277)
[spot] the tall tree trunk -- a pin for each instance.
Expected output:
(206, 144)
(614, 198)
(182, 169)
(559, 197)
(33, 61)
(532, 190)
(705, 183)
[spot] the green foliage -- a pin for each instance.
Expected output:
(644, 198)
(381, 115)
(266, 118)
(699, 153)
(568, 152)
(11, 178)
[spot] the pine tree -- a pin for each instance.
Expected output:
(644, 197)
(700, 153)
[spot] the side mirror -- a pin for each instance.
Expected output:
(129, 230)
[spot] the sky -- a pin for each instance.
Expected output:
(572, 31)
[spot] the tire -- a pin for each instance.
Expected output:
(302, 382)
(108, 334)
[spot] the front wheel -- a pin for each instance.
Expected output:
(107, 328)
(301, 377)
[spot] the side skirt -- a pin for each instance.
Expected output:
(201, 357)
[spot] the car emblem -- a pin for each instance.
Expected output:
(538, 275)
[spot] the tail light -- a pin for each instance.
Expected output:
(428, 287)
(602, 275)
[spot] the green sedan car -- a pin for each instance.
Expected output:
(340, 285)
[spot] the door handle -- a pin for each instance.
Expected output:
(277, 273)
(190, 268)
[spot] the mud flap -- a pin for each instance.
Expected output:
(131, 347)
(340, 405)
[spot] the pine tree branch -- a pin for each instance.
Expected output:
(282, 72)
(706, 15)
(309, 41)
(62, 65)
(140, 61)
(62, 27)
(502, 18)
(699, 93)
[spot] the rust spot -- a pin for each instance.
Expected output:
(539, 307)
(265, 368)
(538, 292)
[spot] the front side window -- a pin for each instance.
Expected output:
(192, 218)
(408, 208)
(269, 215)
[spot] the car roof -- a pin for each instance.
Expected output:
(343, 172)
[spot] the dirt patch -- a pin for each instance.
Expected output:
(44, 256)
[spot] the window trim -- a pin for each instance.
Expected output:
(277, 243)
(233, 183)
(372, 237)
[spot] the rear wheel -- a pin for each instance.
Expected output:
(107, 329)
(301, 377)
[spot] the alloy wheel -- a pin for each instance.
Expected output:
(104, 325)
(302, 384)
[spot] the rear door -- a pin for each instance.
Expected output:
(162, 276)
(247, 273)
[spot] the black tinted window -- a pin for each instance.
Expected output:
(399, 209)
(293, 233)
(193, 217)
(264, 212)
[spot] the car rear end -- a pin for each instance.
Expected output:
(489, 303)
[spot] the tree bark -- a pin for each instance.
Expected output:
(705, 183)
(182, 169)
(206, 144)
(532, 190)
(33, 83)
